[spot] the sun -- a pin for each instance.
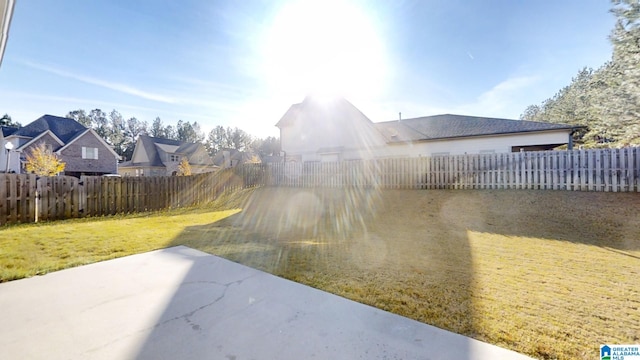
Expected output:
(326, 47)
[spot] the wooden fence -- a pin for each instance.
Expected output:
(584, 170)
(63, 197)
(27, 198)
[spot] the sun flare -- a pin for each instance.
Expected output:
(324, 47)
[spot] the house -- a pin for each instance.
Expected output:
(227, 158)
(161, 157)
(335, 130)
(82, 150)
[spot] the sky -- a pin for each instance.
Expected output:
(244, 63)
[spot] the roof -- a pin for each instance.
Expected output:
(234, 154)
(455, 126)
(290, 115)
(7, 130)
(335, 107)
(331, 122)
(64, 128)
(6, 11)
(152, 144)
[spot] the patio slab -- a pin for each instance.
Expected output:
(180, 303)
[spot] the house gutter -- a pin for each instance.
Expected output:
(5, 21)
(573, 131)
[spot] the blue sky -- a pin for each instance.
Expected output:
(243, 63)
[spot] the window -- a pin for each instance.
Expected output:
(173, 157)
(89, 153)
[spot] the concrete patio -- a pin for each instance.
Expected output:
(180, 303)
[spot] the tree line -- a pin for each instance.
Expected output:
(122, 133)
(604, 100)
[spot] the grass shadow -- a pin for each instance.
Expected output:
(488, 264)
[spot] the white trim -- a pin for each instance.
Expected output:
(94, 153)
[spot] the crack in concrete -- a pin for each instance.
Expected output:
(186, 316)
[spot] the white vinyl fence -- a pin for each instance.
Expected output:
(583, 170)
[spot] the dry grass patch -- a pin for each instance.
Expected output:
(548, 274)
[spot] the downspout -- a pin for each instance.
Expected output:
(570, 143)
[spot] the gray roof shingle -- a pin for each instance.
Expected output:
(65, 129)
(454, 126)
(184, 148)
(7, 130)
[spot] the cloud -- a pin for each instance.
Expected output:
(505, 99)
(123, 88)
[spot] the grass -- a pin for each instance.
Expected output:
(549, 274)
(36, 249)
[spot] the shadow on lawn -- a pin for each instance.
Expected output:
(407, 252)
(607, 220)
(351, 243)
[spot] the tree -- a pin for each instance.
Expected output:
(99, 123)
(157, 129)
(41, 161)
(238, 139)
(133, 129)
(81, 117)
(605, 100)
(170, 133)
(184, 169)
(266, 147)
(216, 140)
(188, 132)
(115, 132)
(5, 120)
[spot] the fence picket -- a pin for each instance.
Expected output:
(64, 197)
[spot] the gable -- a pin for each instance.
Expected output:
(139, 153)
(47, 137)
(320, 123)
(89, 136)
(89, 139)
(200, 156)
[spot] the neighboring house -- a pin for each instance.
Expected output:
(335, 130)
(161, 157)
(227, 158)
(82, 150)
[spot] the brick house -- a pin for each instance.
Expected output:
(82, 150)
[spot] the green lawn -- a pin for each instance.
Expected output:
(549, 274)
